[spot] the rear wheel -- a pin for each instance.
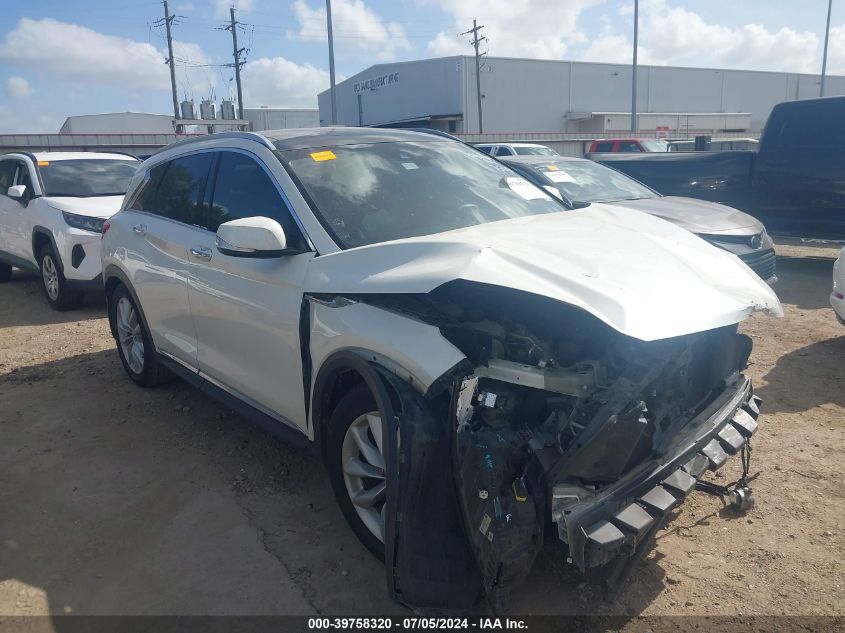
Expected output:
(356, 463)
(5, 272)
(59, 295)
(134, 344)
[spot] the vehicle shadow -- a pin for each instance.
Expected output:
(22, 302)
(819, 364)
(806, 281)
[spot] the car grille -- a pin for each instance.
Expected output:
(761, 262)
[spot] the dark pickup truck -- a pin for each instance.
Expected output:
(794, 183)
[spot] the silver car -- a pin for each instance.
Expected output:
(580, 182)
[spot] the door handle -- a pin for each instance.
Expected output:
(140, 229)
(201, 253)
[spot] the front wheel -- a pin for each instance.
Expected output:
(134, 344)
(59, 294)
(356, 463)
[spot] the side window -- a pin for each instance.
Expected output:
(504, 151)
(180, 194)
(629, 146)
(7, 174)
(604, 147)
(25, 179)
(242, 190)
(145, 199)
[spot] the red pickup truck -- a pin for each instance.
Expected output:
(628, 145)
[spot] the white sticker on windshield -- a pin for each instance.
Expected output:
(524, 189)
(558, 176)
(410, 166)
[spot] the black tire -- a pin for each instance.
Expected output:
(5, 272)
(353, 405)
(151, 372)
(59, 295)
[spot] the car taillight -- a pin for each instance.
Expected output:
(839, 295)
(106, 226)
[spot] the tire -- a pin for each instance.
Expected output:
(5, 272)
(348, 413)
(59, 295)
(134, 344)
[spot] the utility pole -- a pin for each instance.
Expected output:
(168, 19)
(634, 125)
(824, 55)
(475, 30)
(236, 53)
(331, 60)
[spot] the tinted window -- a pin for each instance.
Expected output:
(504, 151)
(604, 147)
(145, 200)
(629, 146)
(86, 177)
(180, 194)
(24, 178)
(243, 190)
(376, 192)
(7, 174)
(813, 125)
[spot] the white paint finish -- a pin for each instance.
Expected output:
(95, 206)
(641, 275)
(246, 317)
(836, 300)
(417, 351)
(156, 264)
(253, 234)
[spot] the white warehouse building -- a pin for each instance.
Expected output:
(546, 97)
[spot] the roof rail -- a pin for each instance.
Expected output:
(247, 136)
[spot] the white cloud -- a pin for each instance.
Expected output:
(73, 53)
(672, 35)
(355, 27)
(221, 7)
(18, 120)
(519, 28)
(18, 88)
(280, 82)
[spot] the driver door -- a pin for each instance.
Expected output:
(246, 310)
(15, 217)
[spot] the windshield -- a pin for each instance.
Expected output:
(586, 181)
(86, 177)
(655, 146)
(534, 151)
(376, 192)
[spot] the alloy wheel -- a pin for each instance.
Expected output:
(363, 463)
(51, 277)
(129, 335)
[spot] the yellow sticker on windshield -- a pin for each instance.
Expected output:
(43, 163)
(552, 167)
(321, 156)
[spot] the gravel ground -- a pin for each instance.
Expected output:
(118, 500)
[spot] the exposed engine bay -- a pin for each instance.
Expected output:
(559, 420)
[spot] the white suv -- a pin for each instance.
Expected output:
(516, 149)
(348, 287)
(52, 208)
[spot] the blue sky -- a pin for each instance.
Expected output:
(62, 57)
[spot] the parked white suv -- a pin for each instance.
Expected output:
(52, 208)
(348, 287)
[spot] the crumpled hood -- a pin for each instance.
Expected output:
(95, 206)
(642, 276)
(698, 216)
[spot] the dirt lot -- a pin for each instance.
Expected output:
(117, 500)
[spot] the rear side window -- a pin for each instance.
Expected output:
(504, 151)
(243, 190)
(629, 146)
(7, 174)
(815, 125)
(603, 147)
(182, 189)
(145, 200)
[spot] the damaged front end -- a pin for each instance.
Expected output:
(554, 419)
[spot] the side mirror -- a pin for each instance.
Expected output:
(251, 237)
(17, 192)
